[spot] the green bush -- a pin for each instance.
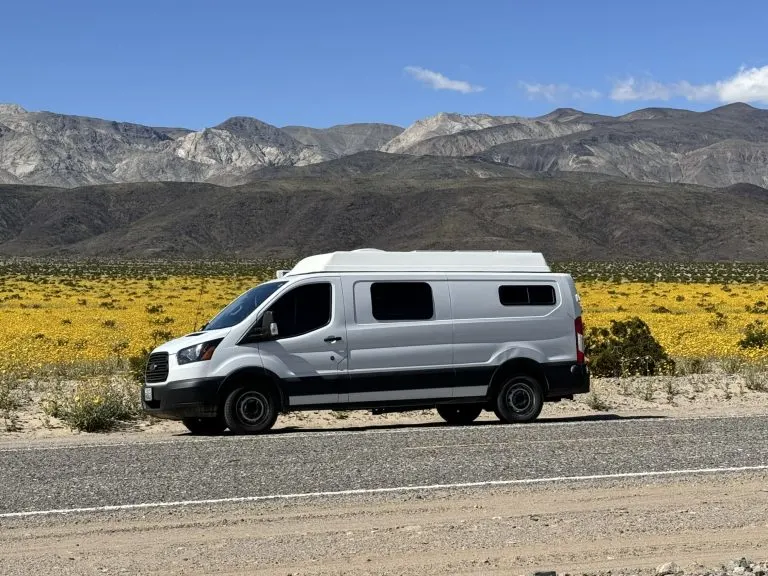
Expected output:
(755, 335)
(95, 405)
(627, 348)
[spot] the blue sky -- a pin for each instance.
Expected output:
(194, 64)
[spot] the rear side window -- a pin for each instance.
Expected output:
(402, 301)
(536, 295)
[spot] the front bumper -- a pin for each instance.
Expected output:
(195, 398)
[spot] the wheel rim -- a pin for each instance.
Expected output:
(520, 398)
(252, 408)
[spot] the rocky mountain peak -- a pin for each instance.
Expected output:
(11, 109)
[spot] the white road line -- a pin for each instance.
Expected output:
(434, 427)
(361, 491)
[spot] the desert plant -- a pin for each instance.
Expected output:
(755, 380)
(9, 403)
(731, 364)
(626, 348)
(648, 391)
(95, 405)
(688, 366)
(672, 390)
(755, 335)
(137, 365)
(596, 402)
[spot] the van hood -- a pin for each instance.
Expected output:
(173, 346)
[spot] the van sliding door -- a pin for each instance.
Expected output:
(400, 338)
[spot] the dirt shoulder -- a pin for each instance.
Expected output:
(629, 527)
(680, 396)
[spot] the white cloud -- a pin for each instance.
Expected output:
(553, 92)
(631, 89)
(747, 85)
(440, 82)
(547, 91)
(581, 94)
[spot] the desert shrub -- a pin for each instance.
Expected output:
(719, 322)
(731, 364)
(95, 405)
(596, 402)
(688, 366)
(9, 402)
(755, 335)
(755, 379)
(660, 310)
(759, 307)
(137, 365)
(626, 348)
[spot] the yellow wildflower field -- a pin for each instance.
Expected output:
(690, 320)
(54, 321)
(48, 321)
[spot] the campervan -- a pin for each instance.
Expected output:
(456, 331)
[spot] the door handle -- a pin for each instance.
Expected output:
(332, 339)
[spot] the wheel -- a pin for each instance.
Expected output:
(458, 414)
(205, 426)
(520, 399)
(250, 411)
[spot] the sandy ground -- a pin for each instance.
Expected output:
(681, 396)
(621, 526)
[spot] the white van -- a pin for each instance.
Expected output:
(461, 332)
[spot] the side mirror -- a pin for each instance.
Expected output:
(266, 331)
(268, 325)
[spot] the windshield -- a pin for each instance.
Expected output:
(243, 306)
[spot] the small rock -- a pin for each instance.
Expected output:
(739, 571)
(545, 574)
(668, 569)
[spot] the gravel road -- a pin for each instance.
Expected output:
(493, 498)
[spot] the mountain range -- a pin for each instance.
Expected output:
(720, 147)
(657, 183)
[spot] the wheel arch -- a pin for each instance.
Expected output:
(252, 376)
(521, 365)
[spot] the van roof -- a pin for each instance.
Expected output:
(372, 260)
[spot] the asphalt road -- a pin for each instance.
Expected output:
(184, 468)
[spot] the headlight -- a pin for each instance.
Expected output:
(197, 353)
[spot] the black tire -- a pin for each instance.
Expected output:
(250, 410)
(205, 426)
(459, 414)
(520, 399)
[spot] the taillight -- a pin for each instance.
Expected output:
(579, 325)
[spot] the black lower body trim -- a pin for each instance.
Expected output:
(566, 379)
(196, 398)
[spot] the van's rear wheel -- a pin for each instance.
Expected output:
(250, 410)
(458, 414)
(205, 426)
(520, 399)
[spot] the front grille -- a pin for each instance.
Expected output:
(157, 367)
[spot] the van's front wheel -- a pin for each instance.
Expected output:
(520, 399)
(250, 411)
(459, 414)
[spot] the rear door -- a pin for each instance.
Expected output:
(310, 351)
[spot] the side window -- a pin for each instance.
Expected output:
(537, 295)
(402, 301)
(303, 309)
